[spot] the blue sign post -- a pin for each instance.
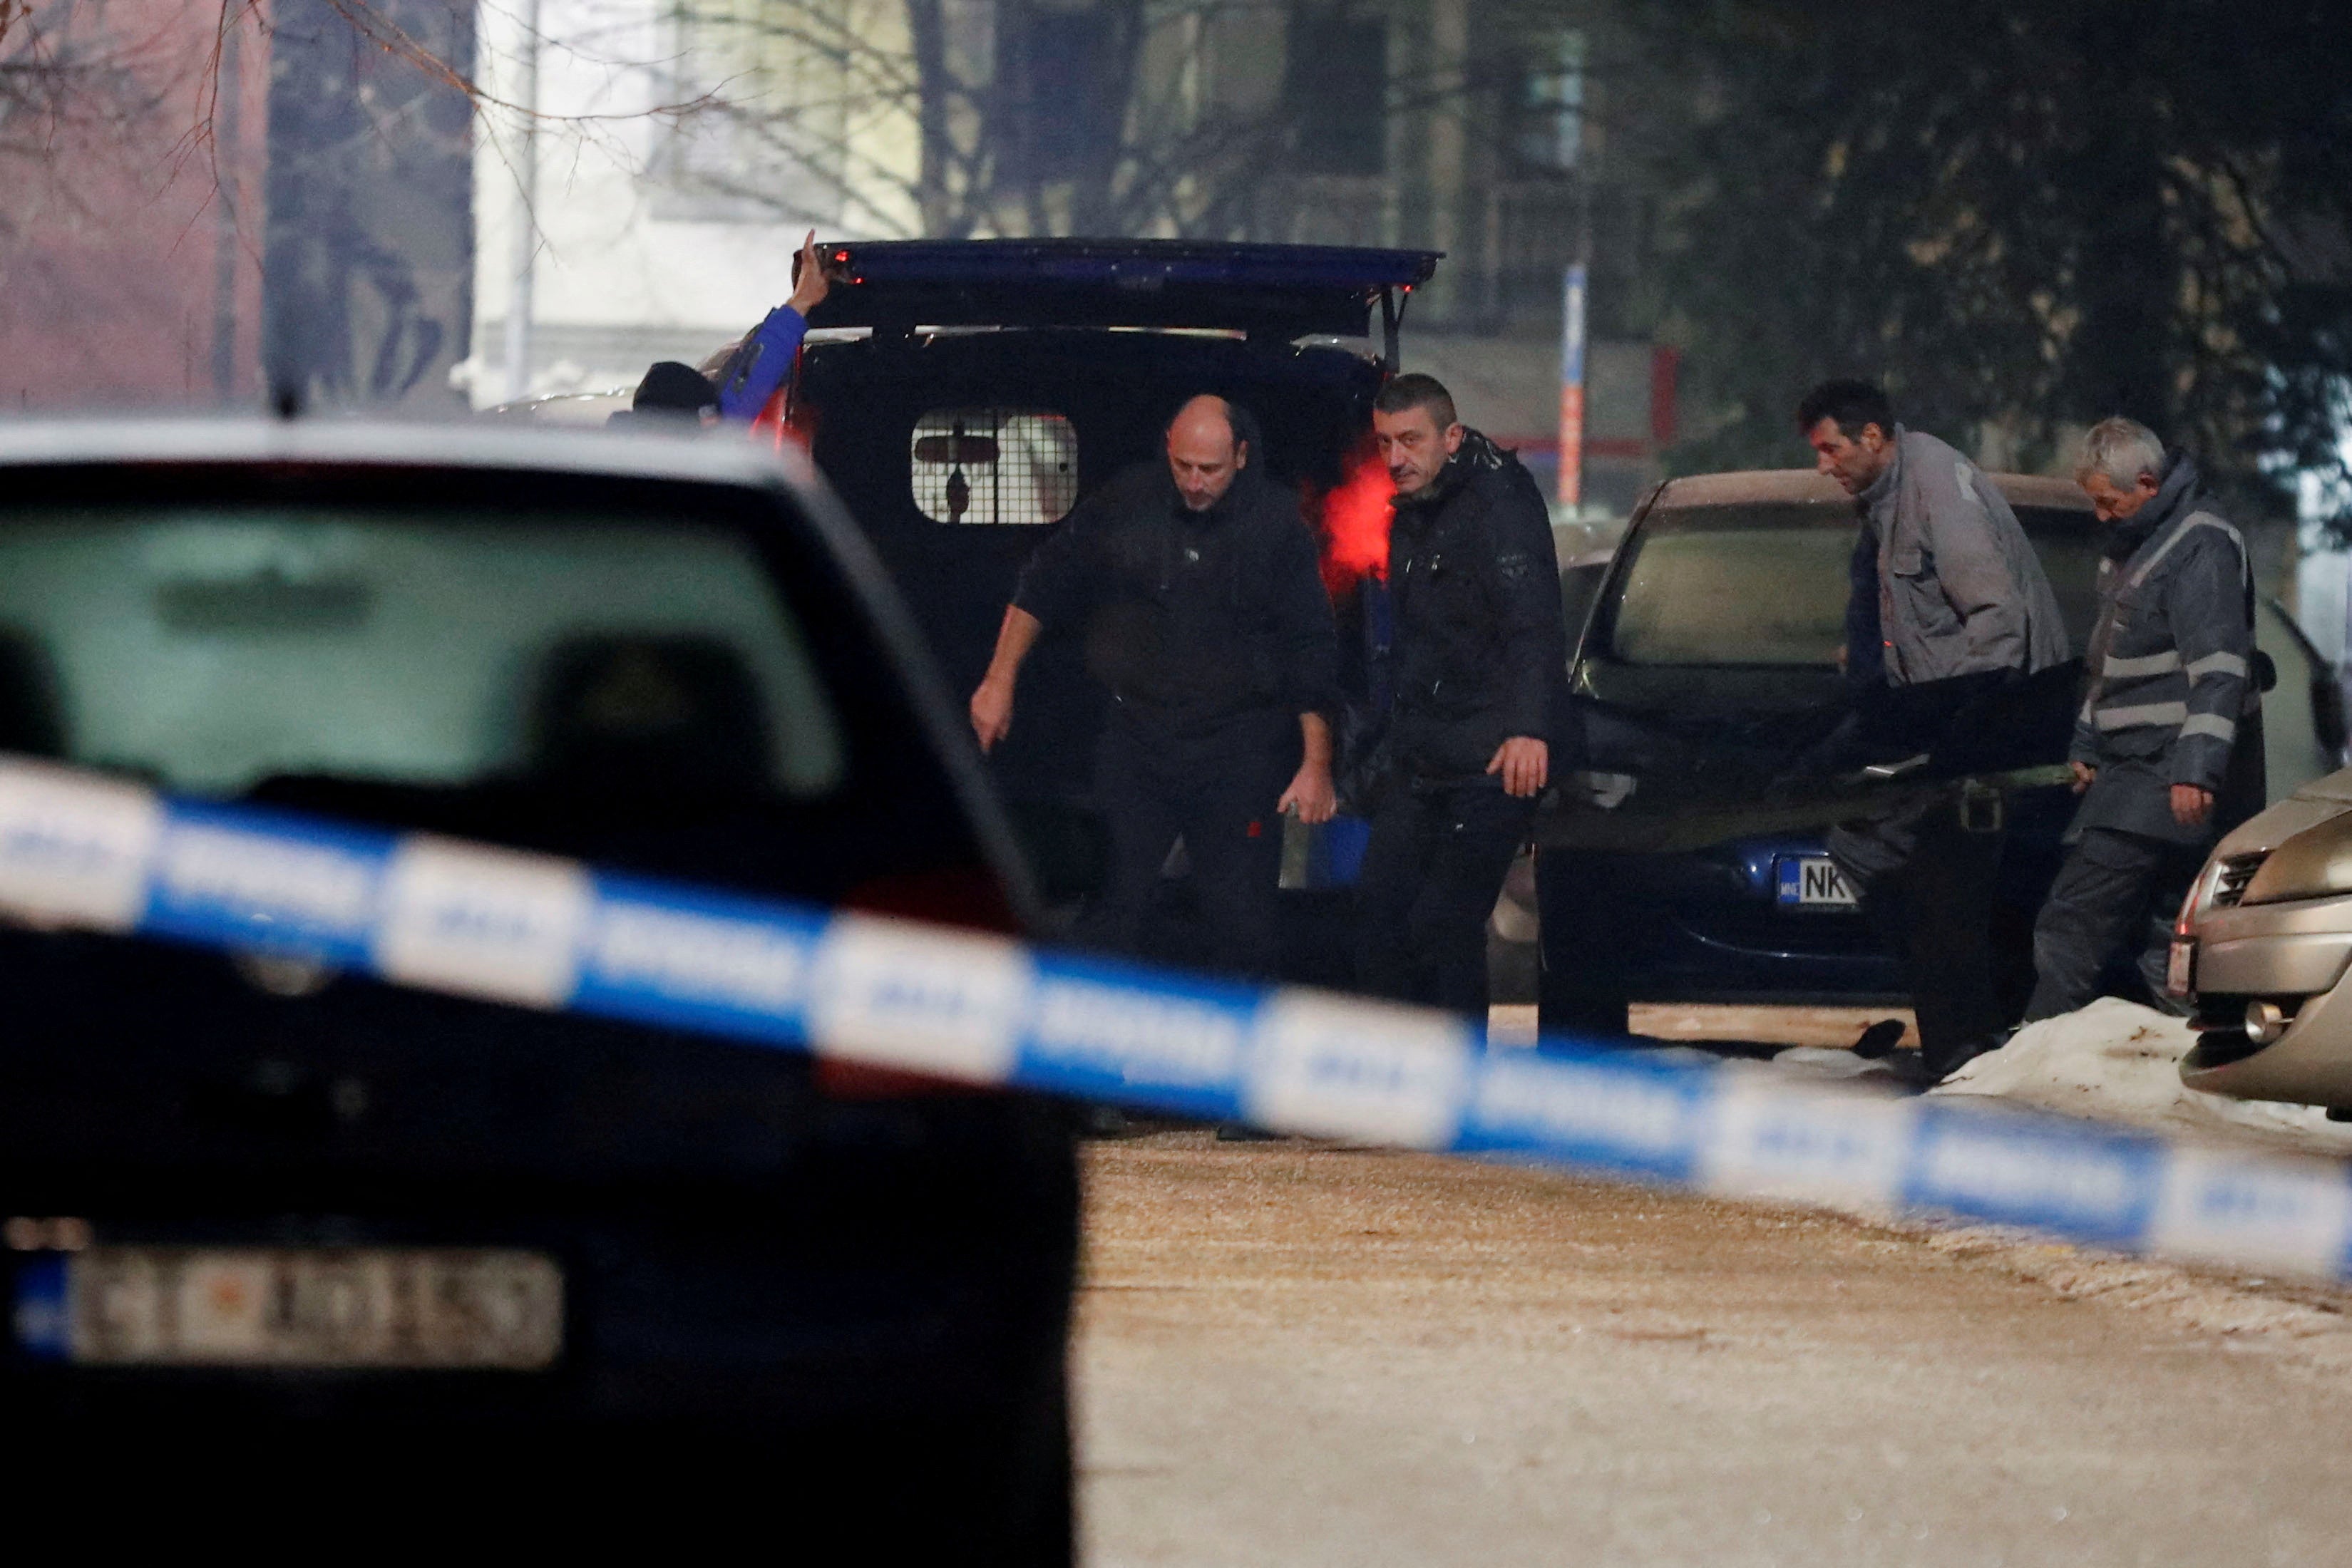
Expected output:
(1571, 392)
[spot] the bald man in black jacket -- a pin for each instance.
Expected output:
(1195, 585)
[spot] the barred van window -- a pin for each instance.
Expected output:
(994, 466)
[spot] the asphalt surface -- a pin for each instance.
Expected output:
(1298, 1353)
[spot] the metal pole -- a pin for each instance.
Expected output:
(1572, 332)
(1571, 392)
(526, 228)
(228, 135)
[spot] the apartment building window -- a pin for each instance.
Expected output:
(1337, 85)
(767, 137)
(1550, 135)
(1068, 62)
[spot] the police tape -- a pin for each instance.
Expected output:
(81, 851)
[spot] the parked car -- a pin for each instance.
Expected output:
(1709, 650)
(2261, 950)
(658, 1251)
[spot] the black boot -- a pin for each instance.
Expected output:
(1880, 1038)
(1918, 1070)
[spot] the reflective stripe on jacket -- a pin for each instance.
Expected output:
(2171, 662)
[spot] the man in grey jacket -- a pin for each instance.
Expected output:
(2168, 749)
(1961, 608)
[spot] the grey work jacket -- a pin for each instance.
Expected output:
(1960, 590)
(2171, 666)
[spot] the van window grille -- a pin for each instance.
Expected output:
(994, 466)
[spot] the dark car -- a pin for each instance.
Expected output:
(1707, 656)
(653, 1253)
(1706, 662)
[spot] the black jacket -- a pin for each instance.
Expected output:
(1192, 620)
(1481, 644)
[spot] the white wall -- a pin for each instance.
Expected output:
(621, 279)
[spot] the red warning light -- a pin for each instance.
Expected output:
(1355, 519)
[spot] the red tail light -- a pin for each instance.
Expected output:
(853, 1080)
(969, 897)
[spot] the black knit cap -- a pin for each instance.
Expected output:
(673, 387)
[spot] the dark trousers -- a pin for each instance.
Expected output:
(1219, 797)
(1431, 875)
(1926, 887)
(2118, 894)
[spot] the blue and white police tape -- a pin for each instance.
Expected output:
(81, 850)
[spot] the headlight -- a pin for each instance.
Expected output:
(2313, 863)
(2199, 899)
(2222, 886)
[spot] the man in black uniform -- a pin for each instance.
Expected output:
(1195, 585)
(1480, 651)
(2168, 750)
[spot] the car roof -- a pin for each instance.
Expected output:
(719, 456)
(1280, 290)
(724, 455)
(577, 409)
(1799, 487)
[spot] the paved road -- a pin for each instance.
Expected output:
(1292, 1354)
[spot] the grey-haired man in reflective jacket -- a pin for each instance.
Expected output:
(2167, 748)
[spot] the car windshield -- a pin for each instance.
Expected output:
(212, 648)
(1767, 585)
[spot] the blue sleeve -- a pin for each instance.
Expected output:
(758, 368)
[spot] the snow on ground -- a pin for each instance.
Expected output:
(2119, 1061)
(2112, 1062)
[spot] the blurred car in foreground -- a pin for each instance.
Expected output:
(223, 1177)
(2262, 948)
(1703, 667)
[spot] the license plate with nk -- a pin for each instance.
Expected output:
(1812, 882)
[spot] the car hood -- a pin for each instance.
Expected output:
(2321, 800)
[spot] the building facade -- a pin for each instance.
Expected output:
(656, 162)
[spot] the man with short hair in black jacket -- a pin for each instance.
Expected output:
(1479, 655)
(1196, 586)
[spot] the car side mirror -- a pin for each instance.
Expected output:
(1068, 847)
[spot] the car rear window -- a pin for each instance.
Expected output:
(990, 466)
(1767, 585)
(210, 648)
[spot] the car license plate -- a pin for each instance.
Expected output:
(2180, 968)
(1812, 882)
(255, 1307)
